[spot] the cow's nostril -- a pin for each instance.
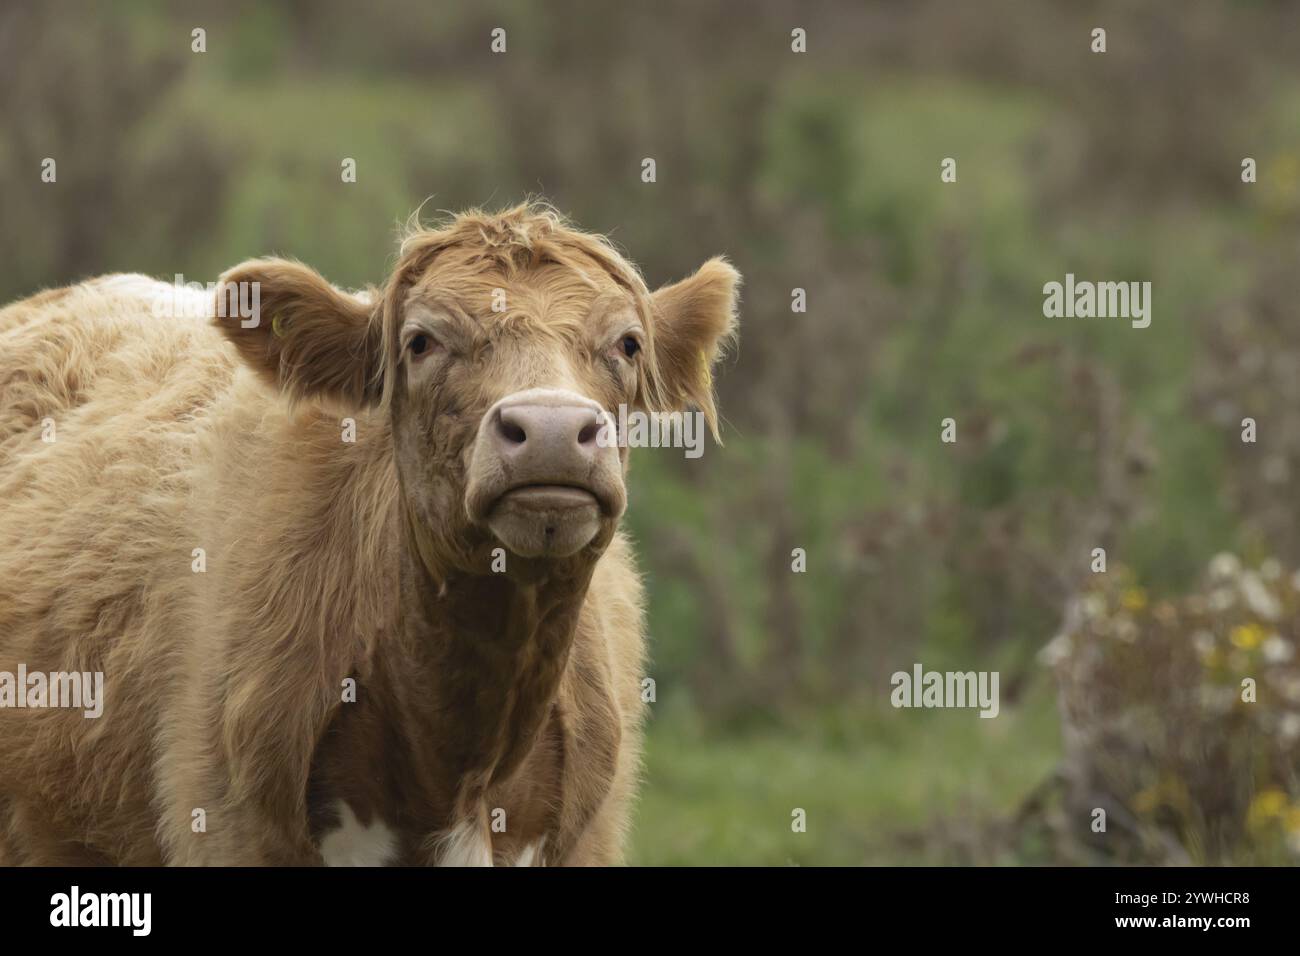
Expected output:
(588, 433)
(511, 432)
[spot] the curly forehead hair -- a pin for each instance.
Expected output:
(475, 244)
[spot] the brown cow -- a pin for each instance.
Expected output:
(349, 564)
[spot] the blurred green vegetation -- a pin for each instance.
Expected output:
(889, 788)
(818, 171)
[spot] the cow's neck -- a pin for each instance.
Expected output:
(477, 668)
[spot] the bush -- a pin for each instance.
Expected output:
(1181, 718)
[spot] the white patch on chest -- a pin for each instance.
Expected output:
(466, 844)
(352, 844)
(531, 855)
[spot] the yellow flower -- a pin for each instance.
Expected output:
(1145, 801)
(1168, 792)
(1134, 599)
(1247, 636)
(1268, 805)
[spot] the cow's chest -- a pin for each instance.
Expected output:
(350, 842)
(374, 799)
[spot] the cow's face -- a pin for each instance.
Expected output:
(502, 384)
(501, 351)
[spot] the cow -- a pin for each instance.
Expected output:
(348, 563)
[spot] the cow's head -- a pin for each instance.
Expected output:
(497, 349)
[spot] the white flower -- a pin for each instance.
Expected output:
(1056, 650)
(1289, 726)
(1259, 598)
(1276, 649)
(1094, 606)
(1271, 569)
(1203, 641)
(1225, 565)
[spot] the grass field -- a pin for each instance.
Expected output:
(899, 787)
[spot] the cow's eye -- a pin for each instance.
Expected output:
(630, 345)
(420, 344)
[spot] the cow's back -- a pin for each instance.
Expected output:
(101, 400)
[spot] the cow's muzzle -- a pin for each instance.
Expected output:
(539, 478)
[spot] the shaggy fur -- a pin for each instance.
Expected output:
(477, 693)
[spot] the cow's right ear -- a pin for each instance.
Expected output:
(302, 335)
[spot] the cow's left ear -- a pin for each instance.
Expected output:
(303, 336)
(695, 319)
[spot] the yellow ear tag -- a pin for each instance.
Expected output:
(276, 326)
(708, 371)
